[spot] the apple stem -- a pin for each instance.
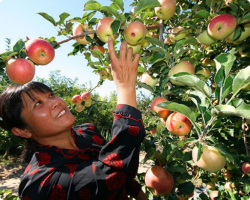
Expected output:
(244, 127)
(98, 84)
(76, 36)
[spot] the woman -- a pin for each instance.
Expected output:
(66, 162)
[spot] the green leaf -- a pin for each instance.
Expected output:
(245, 19)
(219, 77)
(92, 5)
(227, 87)
(241, 80)
(47, 17)
(202, 14)
(144, 4)
(199, 98)
(226, 60)
(246, 188)
(176, 107)
(111, 11)
(160, 50)
(243, 110)
(115, 26)
(62, 17)
(234, 158)
(186, 188)
(148, 87)
(18, 46)
(155, 41)
(119, 3)
(192, 81)
(156, 57)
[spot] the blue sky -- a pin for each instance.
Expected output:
(19, 18)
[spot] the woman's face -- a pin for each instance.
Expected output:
(48, 117)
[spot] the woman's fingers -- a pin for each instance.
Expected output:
(112, 54)
(123, 52)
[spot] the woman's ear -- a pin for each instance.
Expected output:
(21, 132)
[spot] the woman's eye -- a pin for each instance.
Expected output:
(37, 103)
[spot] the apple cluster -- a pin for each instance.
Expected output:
(81, 101)
(39, 51)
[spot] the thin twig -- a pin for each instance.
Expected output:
(244, 126)
(76, 36)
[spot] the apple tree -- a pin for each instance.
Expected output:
(195, 64)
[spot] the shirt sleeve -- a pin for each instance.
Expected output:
(120, 156)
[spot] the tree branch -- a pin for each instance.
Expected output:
(76, 36)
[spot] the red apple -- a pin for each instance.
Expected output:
(166, 10)
(214, 194)
(227, 175)
(183, 66)
(221, 26)
(159, 180)
(246, 167)
(161, 112)
(135, 32)
(81, 28)
(20, 70)
(85, 96)
(205, 38)
(76, 99)
(39, 51)
(153, 131)
(147, 79)
(101, 49)
(104, 30)
(211, 159)
(178, 124)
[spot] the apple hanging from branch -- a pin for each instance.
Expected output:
(104, 30)
(20, 71)
(39, 51)
(159, 180)
(81, 28)
(221, 26)
(211, 159)
(166, 10)
(135, 32)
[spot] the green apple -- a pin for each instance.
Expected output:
(166, 10)
(136, 48)
(211, 159)
(205, 38)
(177, 33)
(183, 66)
(104, 30)
(245, 34)
(204, 74)
(147, 79)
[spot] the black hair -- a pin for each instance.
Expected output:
(11, 106)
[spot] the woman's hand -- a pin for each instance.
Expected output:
(124, 72)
